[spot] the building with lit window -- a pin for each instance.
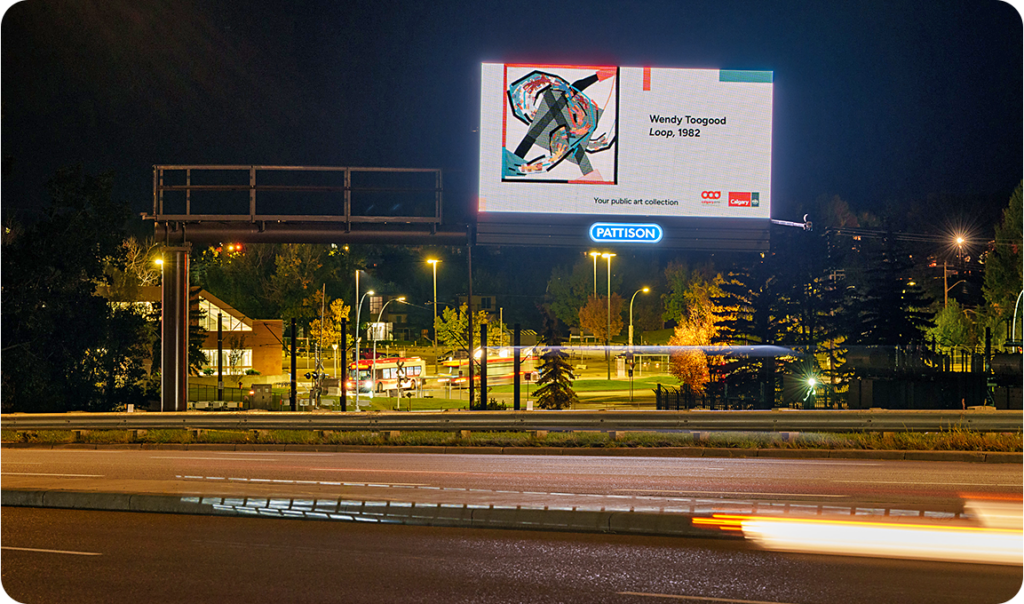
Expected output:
(248, 344)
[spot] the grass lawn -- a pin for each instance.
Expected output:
(386, 403)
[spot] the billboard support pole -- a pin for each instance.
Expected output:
(174, 298)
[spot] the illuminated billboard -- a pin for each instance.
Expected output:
(624, 143)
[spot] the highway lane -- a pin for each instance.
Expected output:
(515, 480)
(74, 556)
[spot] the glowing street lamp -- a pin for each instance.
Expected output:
(433, 264)
(359, 306)
(644, 290)
(945, 271)
(608, 334)
(373, 365)
(595, 256)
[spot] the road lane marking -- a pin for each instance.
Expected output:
(275, 453)
(949, 484)
(403, 485)
(725, 493)
(698, 598)
(207, 458)
(50, 551)
(48, 474)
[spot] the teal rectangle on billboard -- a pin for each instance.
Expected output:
(735, 75)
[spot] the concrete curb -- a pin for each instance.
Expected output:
(384, 512)
(909, 455)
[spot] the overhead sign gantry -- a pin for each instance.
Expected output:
(279, 204)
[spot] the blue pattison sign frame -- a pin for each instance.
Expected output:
(625, 232)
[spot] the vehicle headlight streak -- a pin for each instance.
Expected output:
(872, 538)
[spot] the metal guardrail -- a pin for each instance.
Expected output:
(627, 421)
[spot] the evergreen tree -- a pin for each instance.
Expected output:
(811, 299)
(888, 310)
(556, 375)
(750, 313)
(1003, 264)
(555, 383)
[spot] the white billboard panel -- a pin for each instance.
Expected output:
(625, 141)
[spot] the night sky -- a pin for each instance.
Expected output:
(874, 101)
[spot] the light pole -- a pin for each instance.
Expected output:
(373, 364)
(595, 255)
(359, 306)
(1016, 305)
(433, 265)
(642, 289)
(608, 334)
(335, 347)
(945, 271)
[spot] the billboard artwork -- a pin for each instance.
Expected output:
(629, 142)
(559, 125)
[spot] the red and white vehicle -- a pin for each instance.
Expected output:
(386, 375)
(500, 363)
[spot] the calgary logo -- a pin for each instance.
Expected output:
(711, 195)
(745, 199)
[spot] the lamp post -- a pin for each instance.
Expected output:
(945, 271)
(335, 347)
(433, 265)
(359, 306)
(373, 364)
(608, 334)
(642, 289)
(595, 255)
(1016, 305)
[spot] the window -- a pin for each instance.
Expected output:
(235, 360)
(209, 320)
(485, 303)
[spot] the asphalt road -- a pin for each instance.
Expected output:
(57, 556)
(652, 484)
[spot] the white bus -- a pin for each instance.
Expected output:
(386, 375)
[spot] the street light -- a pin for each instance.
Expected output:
(433, 265)
(1016, 305)
(373, 364)
(642, 289)
(608, 334)
(594, 255)
(945, 271)
(359, 306)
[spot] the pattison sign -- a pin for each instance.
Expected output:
(612, 232)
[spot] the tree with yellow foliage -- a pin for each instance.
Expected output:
(695, 328)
